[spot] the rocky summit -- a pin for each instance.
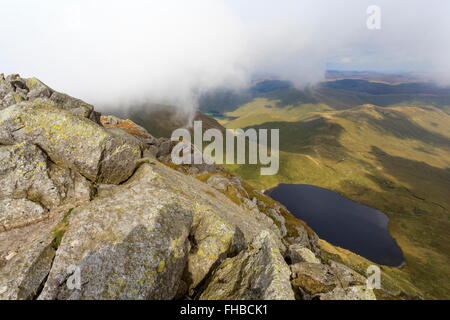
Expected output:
(92, 208)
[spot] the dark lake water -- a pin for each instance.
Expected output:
(341, 221)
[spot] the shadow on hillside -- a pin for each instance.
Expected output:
(317, 136)
(423, 181)
(396, 124)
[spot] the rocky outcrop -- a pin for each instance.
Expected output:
(71, 141)
(26, 172)
(299, 253)
(26, 256)
(129, 127)
(132, 244)
(98, 204)
(14, 89)
(213, 239)
(257, 273)
(329, 282)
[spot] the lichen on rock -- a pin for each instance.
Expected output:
(259, 272)
(70, 141)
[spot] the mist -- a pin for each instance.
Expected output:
(116, 54)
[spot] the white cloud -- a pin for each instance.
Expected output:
(117, 52)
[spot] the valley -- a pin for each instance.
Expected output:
(394, 157)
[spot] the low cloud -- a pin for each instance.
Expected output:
(125, 52)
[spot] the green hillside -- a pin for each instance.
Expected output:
(395, 159)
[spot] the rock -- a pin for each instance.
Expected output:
(27, 173)
(214, 239)
(95, 117)
(278, 219)
(218, 182)
(70, 141)
(312, 279)
(5, 88)
(336, 282)
(73, 105)
(131, 245)
(205, 168)
(347, 277)
(259, 272)
(120, 155)
(26, 255)
(350, 293)
(306, 239)
(129, 127)
(10, 99)
(150, 152)
(8, 94)
(37, 89)
(24, 174)
(164, 149)
(71, 186)
(12, 77)
(298, 253)
(19, 212)
(14, 89)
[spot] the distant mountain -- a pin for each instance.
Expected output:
(337, 94)
(391, 77)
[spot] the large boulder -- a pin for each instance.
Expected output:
(214, 239)
(305, 237)
(24, 173)
(31, 185)
(129, 127)
(329, 282)
(299, 253)
(346, 276)
(38, 89)
(157, 235)
(14, 89)
(312, 279)
(132, 244)
(71, 141)
(257, 273)
(73, 105)
(27, 173)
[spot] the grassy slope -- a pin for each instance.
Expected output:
(262, 110)
(394, 159)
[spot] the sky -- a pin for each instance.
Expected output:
(110, 52)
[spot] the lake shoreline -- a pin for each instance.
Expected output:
(341, 221)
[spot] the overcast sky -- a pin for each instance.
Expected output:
(108, 51)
